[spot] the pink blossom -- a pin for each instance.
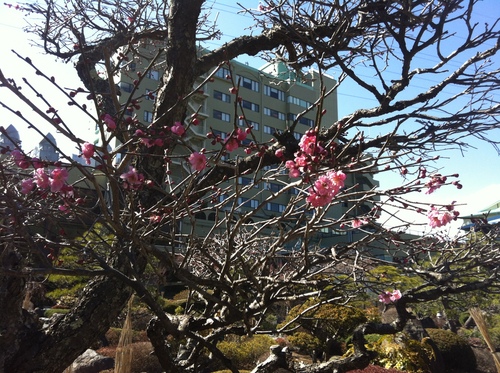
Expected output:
(318, 200)
(293, 170)
(356, 223)
(338, 178)
(41, 179)
(58, 178)
(301, 160)
(308, 143)
(241, 134)
(389, 297)
(110, 122)
(178, 129)
(132, 178)
(20, 159)
(155, 219)
(435, 183)
(325, 188)
(37, 163)
(88, 150)
(27, 186)
(396, 294)
(63, 208)
(198, 161)
(439, 218)
(17, 155)
(231, 144)
(385, 297)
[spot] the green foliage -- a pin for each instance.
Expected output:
(170, 306)
(65, 286)
(50, 312)
(456, 351)
(403, 353)
(494, 328)
(305, 342)
(244, 352)
(392, 277)
(327, 320)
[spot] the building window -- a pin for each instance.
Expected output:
(247, 181)
(297, 136)
(303, 120)
(222, 116)
(223, 73)
(306, 121)
(222, 96)
(298, 101)
(153, 74)
(246, 123)
(250, 105)
(200, 215)
(273, 187)
(274, 113)
(148, 116)
(248, 83)
(220, 134)
(131, 66)
(150, 95)
(269, 130)
(274, 92)
(275, 207)
(126, 87)
(247, 202)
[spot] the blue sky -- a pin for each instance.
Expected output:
(479, 168)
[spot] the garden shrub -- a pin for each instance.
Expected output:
(113, 336)
(143, 360)
(400, 352)
(375, 369)
(245, 352)
(305, 342)
(456, 351)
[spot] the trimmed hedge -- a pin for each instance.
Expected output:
(456, 351)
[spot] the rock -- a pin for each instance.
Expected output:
(91, 362)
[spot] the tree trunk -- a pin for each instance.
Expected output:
(53, 349)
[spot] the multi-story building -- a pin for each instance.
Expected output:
(271, 98)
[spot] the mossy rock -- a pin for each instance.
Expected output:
(457, 354)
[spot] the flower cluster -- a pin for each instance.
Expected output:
(435, 183)
(234, 141)
(325, 188)
(55, 182)
(178, 129)
(132, 179)
(88, 151)
(198, 161)
(109, 121)
(439, 218)
(307, 158)
(150, 141)
(311, 152)
(389, 297)
(19, 159)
